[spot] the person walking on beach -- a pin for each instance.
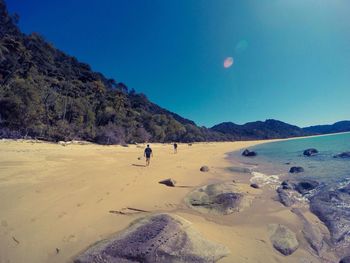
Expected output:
(148, 153)
(175, 147)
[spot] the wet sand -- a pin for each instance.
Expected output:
(56, 200)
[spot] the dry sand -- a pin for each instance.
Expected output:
(55, 201)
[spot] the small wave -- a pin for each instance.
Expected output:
(343, 205)
(343, 183)
(312, 192)
(264, 179)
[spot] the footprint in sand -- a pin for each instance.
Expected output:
(79, 204)
(70, 238)
(62, 214)
(107, 193)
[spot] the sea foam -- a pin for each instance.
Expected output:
(264, 179)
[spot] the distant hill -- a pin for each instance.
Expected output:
(341, 126)
(269, 129)
(47, 94)
(274, 129)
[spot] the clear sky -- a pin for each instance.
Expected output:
(291, 58)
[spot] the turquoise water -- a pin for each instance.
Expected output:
(278, 157)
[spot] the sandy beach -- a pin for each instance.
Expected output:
(57, 200)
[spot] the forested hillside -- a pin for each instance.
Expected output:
(47, 94)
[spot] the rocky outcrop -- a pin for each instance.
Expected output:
(291, 192)
(168, 182)
(342, 155)
(204, 168)
(160, 238)
(287, 197)
(248, 153)
(286, 194)
(296, 169)
(310, 152)
(302, 186)
(283, 239)
(311, 232)
(222, 198)
(332, 207)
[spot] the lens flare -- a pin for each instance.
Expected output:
(228, 62)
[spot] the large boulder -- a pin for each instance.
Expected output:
(248, 153)
(283, 239)
(332, 207)
(296, 169)
(221, 198)
(342, 155)
(160, 238)
(310, 152)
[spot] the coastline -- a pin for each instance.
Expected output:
(56, 197)
(319, 195)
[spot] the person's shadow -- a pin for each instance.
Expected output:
(138, 165)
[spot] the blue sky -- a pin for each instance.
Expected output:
(291, 57)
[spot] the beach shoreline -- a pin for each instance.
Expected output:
(58, 200)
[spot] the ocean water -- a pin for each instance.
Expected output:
(276, 158)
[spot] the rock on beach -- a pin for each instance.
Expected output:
(283, 239)
(248, 153)
(160, 238)
(222, 198)
(310, 152)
